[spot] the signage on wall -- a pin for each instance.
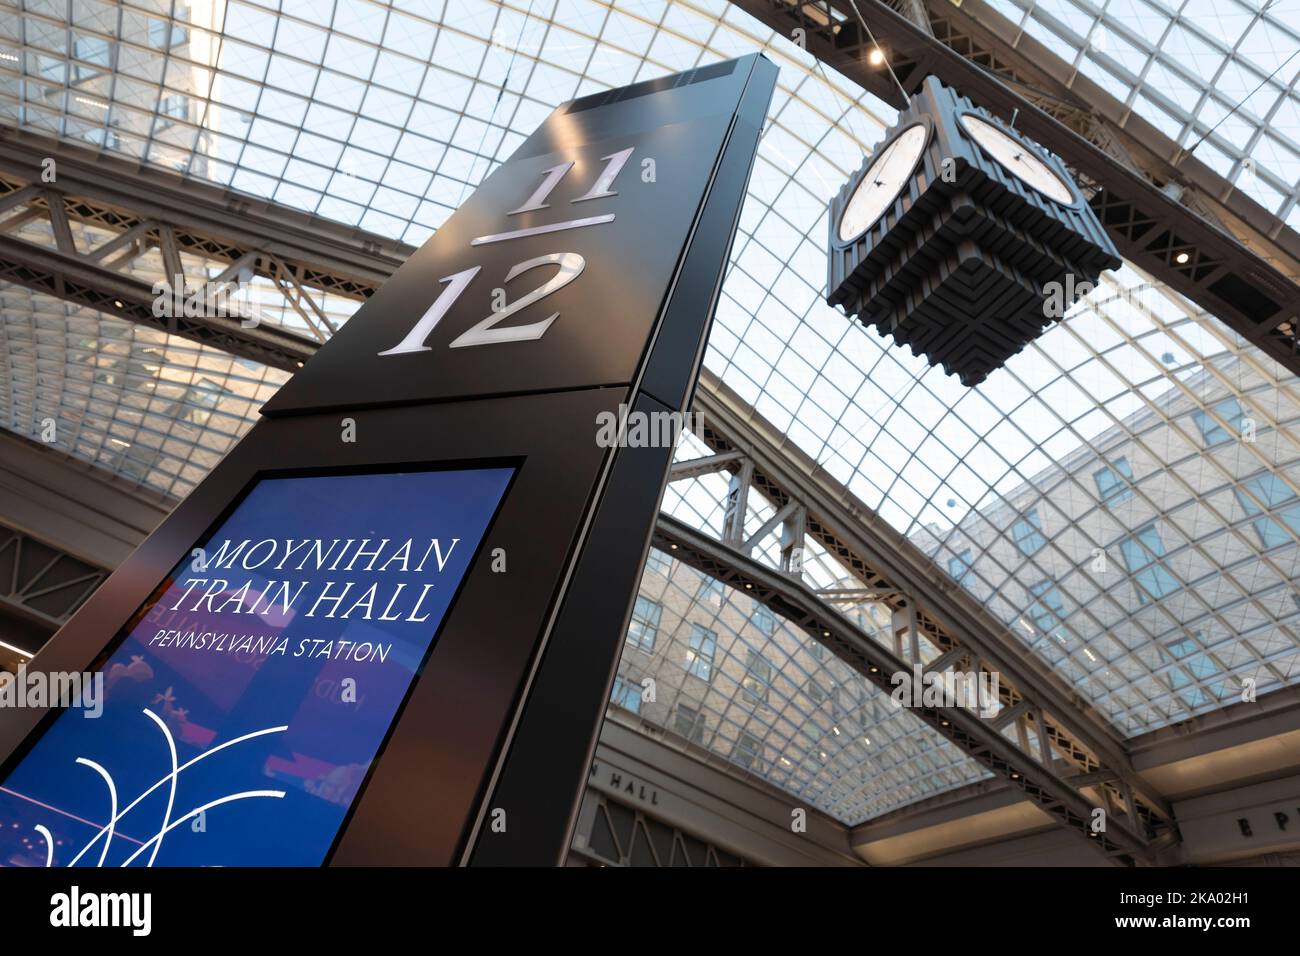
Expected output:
(1277, 821)
(623, 783)
(245, 703)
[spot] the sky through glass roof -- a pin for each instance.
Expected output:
(1221, 71)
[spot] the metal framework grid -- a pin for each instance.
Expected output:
(815, 105)
(871, 579)
(1225, 71)
(984, 741)
(40, 582)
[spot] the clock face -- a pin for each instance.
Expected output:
(1018, 159)
(883, 181)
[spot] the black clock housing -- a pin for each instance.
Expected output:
(961, 263)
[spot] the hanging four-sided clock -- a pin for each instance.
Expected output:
(951, 234)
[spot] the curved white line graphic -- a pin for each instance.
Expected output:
(171, 797)
(185, 766)
(112, 797)
(49, 844)
(247, 794)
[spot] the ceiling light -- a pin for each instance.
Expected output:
(875, 57)
(1181, 258)
(26, 655)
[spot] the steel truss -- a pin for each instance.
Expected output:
(1248, 280)
(41, 583)
(1045, 739)
(158, 211)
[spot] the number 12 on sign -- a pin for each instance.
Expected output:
(570, 267)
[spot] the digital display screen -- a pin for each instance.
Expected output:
(246, 702)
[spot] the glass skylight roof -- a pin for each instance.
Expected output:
(752, 689)
(155, 408)
(1124, 497)
(1183, 65)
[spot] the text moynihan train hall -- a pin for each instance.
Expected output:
(342, 598)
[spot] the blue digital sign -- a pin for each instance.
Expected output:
(248, 699)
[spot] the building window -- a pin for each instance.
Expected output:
(814, 756)
(763, 619)
(1141, 552)
(1273, 491)
(657, 561)
(177, 106)
(749, 752)
(815, 691)
(626, 695)
(173, 107)
(1114, 481)
(699, 657)
(959, 566)
(1215, 434)
(1047, 611)
(710, 592)
(644, 628)
(813, 731)
(690, 723)
(757, 680)
(1027, 532)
